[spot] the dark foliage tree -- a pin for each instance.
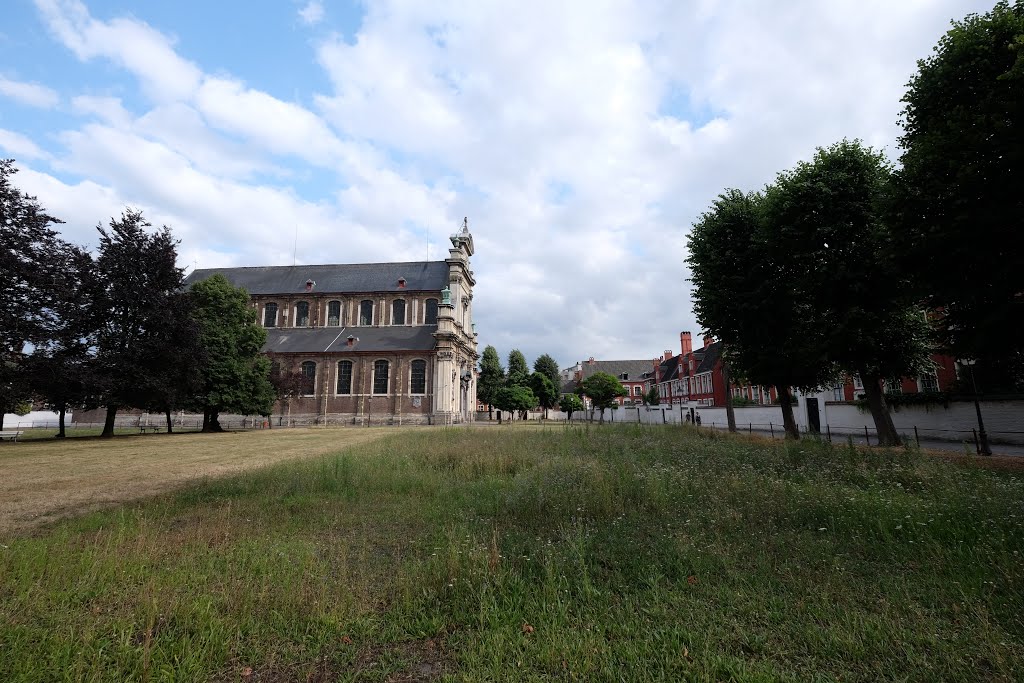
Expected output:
(569, 404)
(28, 264)
(235, 375)
(652, 397)
(959, 208)
(828, 216)
(492, 378)
(602, 389)
(742, 296)
(515, 399)
(61, 367)
(518, 371)
(547, 366)
(544, 390)
(138, 281)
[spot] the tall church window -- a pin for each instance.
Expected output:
(270, 315)
(365, 312)
(398, 312)
(308, 378)
(431, 314)
(345, 377)
(302, 314)
(333, 313)
(418, 375)
(380, 377)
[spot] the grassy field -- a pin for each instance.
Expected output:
(619, 553)
(41, 481)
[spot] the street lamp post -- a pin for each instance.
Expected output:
(983, 447)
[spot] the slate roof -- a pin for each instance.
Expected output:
(711, 354)
(335, 339)
(568, 387)
(336, 278)
(669, 369)
(635, 369)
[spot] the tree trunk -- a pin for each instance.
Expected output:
(170, 426)
(886, 430)
(788, 421)
(601, 422)
(62, 410)
(211, 423)
(1, 421)
(730, 412)
(490, 412)
(206, 420)
(108, 425)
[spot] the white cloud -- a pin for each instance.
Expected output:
(32, 94)
(20, 147)
(582, 139)
(312, 13)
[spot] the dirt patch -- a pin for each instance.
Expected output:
(44, 481)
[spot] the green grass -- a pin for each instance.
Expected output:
(71, 431)
(620, 553)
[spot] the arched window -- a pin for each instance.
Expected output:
(302, 314)
(308, 378)
(380, 377)
(333, 313)
(431, 317)
(398, 312)
(270, 315)
(418, 377)
(344, 377)
(365, 312)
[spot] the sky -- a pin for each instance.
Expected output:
(581, 139)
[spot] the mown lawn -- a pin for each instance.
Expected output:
(620, 553)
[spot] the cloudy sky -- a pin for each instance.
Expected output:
(582, 139)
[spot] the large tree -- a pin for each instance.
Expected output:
(174, 374)
(518, 371)
(235, 375)
(515, 399)
(959, 205)
(742, 296)
(138, 281)
(602, 389)
(28, 267)
(827, 218)
(492, 378)
(547, 366)
(61, 367)
(569, 404)
(545, 391)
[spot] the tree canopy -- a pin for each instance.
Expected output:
(569, 404)
(492, 378)
(518, 371)
(545, 392)
(234, 374)
(602, 389)
(959, 206)
(515, 399)
(547, 366)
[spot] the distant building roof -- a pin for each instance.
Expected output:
(669, 369)
(711, 353)
(625, 370)
(335, 339)
(336, 278)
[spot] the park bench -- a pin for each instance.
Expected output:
(149, 428)
(13, 436)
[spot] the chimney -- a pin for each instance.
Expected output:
(708, 341)
(686, 342)
(591, 361)
(309, 285)
(668, 354)
(351, 341)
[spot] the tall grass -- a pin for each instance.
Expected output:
(620, 553)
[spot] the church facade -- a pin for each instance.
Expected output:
(374, 343)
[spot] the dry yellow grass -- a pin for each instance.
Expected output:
(46, 480)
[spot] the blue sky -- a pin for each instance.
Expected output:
(581, 138)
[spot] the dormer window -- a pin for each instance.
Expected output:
(401, 283)
(309, 285)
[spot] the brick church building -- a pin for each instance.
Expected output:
(376, 342)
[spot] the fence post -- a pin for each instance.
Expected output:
(750, 428)
(917, 439)
(771, 428)
(828, 430)
(867, 438)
